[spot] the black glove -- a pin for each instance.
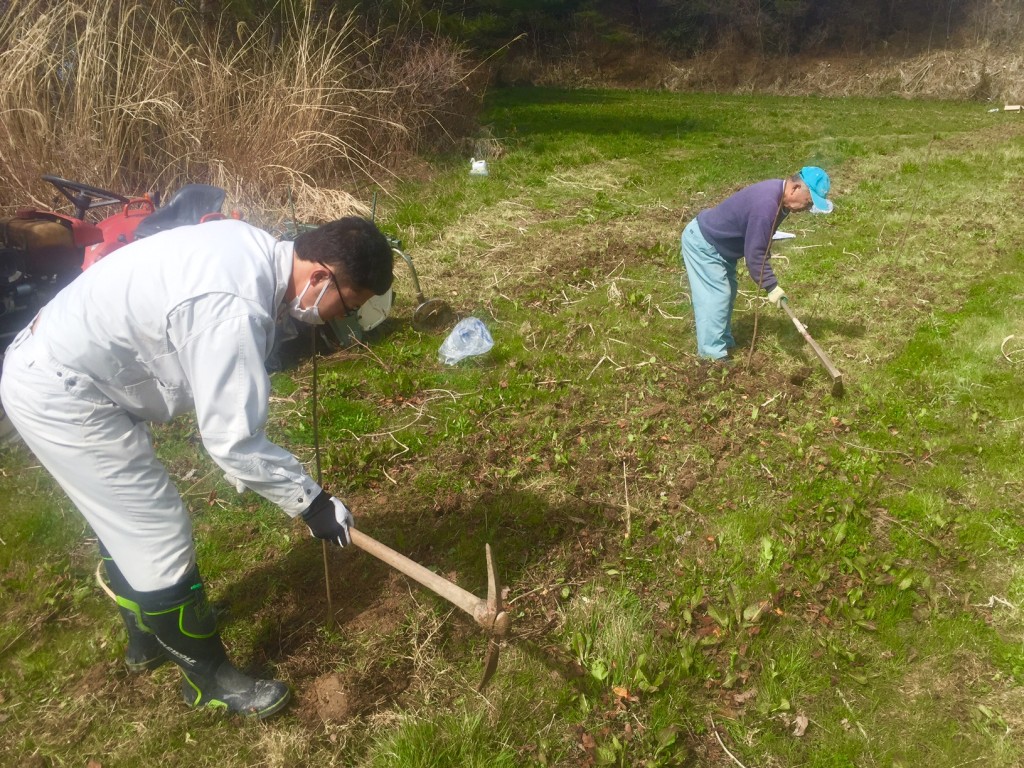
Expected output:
(328, 518)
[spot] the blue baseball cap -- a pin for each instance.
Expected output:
(818, 183)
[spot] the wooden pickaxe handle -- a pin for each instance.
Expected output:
(490, 617)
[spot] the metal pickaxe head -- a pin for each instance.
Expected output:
(491, 616)
(488, 613)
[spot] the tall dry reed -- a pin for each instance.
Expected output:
(135, 96)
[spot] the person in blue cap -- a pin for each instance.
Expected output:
(741, 227)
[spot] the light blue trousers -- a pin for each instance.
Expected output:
(713, 291)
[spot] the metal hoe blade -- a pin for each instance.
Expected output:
(489, 613)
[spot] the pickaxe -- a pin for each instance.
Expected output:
(833, 372)
(488, 613)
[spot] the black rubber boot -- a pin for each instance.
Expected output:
(143, 652)
(186, 627)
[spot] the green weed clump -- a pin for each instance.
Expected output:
(467, 740)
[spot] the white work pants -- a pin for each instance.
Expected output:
(103, 458)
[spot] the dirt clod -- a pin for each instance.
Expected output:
(332, 699)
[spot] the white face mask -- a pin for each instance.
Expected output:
(310, 315)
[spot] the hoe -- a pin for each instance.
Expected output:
(833, 372)
(430, 314)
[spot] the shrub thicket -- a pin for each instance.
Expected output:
(687, 27)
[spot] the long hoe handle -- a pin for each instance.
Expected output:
(833, 372)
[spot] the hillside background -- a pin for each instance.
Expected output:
(934, 48)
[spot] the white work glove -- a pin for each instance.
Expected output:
(328, 518)
(776, 295)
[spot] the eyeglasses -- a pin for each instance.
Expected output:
(349, 311)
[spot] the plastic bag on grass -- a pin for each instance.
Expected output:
(469, 337)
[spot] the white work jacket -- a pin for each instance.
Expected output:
(184, 320)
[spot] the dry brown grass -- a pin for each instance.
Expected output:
(977, 73)
(982, 73)
(135, 96)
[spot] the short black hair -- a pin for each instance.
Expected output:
(355, 247)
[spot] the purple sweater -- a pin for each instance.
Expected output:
(742, 225)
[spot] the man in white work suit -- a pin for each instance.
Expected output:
(179, 321)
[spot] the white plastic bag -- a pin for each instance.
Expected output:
(469, 337)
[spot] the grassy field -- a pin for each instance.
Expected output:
(706, 566)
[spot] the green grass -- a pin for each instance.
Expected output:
(691, 554)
